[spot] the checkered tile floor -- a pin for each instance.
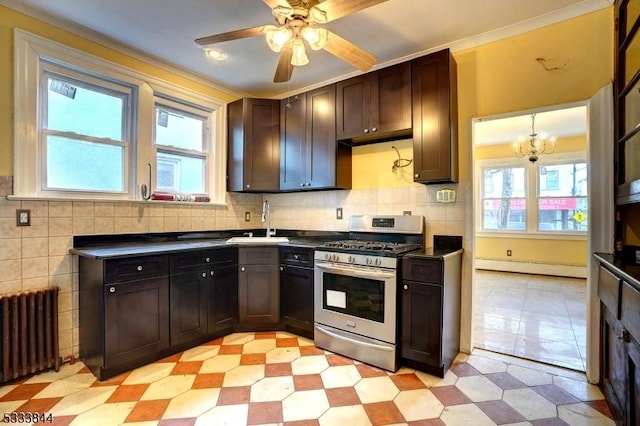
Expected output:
(279, 378)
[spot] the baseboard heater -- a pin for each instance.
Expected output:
(29, 333)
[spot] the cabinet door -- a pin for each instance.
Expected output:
(633, 379)
(421, 335)
(296, 297)
(293, 142)
(614, 366)
(391, 99)
(222, 299)
(258, 294)
(136, 320)
(188, 315)
(434, 100)
(320, 158)
(352, 107)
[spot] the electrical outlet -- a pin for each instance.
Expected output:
(407, 212)
(247, 216)
(339, 213)
(23, 217)
(508, 252)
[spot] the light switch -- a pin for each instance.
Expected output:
(23, 217)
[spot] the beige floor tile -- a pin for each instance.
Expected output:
(340, 376)
(82, 401)
(465, 415)
(149, 373)
(304, 405)
(169, 387)
(578, 388)
(313, 364)
(105, 415)
(238, 338)
(352, 415)
(244, 375)
(10, 406)
(67, 386)
(376, 389)
(431, 381)
(479, 388)
(200, 353)
(6, 389)
(220, 364)
(582, 414)
(529, 376)
(259, 346)
(418, 404)
(192, 403)
(66, 370)
(279, 355)
(224, 415)
(486, 365)
(272, 389)
(529, 403)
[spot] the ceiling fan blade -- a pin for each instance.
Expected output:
(231, 35)
(349, 52)
(336, 9)
(275, 3)
(284, 69)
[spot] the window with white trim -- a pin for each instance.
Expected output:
(549, 196)
(87, 128)
(85, 140)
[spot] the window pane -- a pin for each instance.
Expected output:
(563, 180)
(178, 129)
(562, 214)
(504, 183)
(180, 173)
(83, 110)
(505, 214)
(79, 165)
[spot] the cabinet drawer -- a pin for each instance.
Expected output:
(258, 255)
(630, 309)
(181, 262)
(422, 270)
(136, 268)
(609, 290)
(296, 256)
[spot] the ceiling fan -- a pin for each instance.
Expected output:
(299, 20)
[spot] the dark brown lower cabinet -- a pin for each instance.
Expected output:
(188, 307)
(430, 311)
(222, 299)
(258, 287)
(620, 344)
(296, 290)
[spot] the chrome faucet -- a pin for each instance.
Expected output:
(266, 218)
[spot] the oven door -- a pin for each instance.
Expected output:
(356, 299)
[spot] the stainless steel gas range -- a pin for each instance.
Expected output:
(355, 288)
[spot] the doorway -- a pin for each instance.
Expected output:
(531, 231)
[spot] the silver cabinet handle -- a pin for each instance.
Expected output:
(375, 129)
(112, 289)
(417, 175)
(406, 287)
(204, 274)
(248, 186)
(242, 268)
(281, 268)
(139, 268)
(212, 273)
(366, 130)
(207, 259)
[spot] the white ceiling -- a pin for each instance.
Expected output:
(393, 31)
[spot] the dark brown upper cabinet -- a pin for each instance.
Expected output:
(627, 111)
(435, 118)
(253, 163)
(376, 106)
(310, 157)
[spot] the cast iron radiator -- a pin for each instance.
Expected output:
(28, 333)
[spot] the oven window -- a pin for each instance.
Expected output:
(358, 297)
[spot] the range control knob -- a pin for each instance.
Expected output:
(352, 259)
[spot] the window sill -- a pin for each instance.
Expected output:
(578, 236)
(112, 200)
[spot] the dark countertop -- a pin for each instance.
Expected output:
(117, 246)
(434, 253)
(629, 272)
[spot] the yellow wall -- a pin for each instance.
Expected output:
(10, 19)
(536, 250)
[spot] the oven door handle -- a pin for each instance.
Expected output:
(360, 273)
(359, 342)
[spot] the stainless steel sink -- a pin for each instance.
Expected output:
(257, 240)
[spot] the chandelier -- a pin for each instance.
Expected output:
(535, 145)
(296, 28)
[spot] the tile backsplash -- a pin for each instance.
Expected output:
(37, 256)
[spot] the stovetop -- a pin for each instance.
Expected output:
(371, 247)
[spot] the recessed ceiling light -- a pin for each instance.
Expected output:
(215, 54)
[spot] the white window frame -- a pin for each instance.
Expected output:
(532, 183)
(31, 50)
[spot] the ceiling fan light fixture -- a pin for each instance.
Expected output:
(299, 56)
(277, 36)
(318, 15)
(214, 54)
(316, 37)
